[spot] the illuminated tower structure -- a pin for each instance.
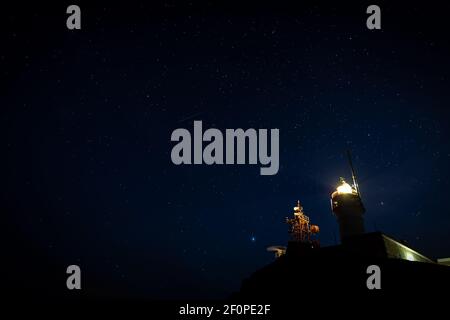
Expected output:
(346, 204)
(349, 210)
(300, 228)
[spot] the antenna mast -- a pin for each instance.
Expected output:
(355, 182)
(300, 228)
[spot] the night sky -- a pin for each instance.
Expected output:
(87, 115)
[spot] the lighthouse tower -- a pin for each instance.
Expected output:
(346, 204)
(349, 210)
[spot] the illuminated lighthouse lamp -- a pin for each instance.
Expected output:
(344, 187)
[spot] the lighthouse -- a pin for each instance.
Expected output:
(349, 210)
(347, 206)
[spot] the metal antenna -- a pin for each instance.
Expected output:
(355, 182)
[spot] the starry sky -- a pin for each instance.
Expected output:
(87, 115)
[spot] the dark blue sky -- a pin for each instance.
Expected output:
(87, 117)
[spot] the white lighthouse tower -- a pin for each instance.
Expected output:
(346, 204)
